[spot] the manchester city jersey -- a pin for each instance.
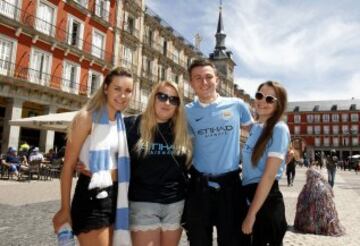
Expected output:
(216, 133)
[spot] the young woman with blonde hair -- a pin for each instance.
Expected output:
(99, 210)
(160, 149)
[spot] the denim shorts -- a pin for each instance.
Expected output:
(146, 216)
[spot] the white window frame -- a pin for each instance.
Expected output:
(317, 130)
(39, 25)
(83, 3)
(128, 57)
(355, 141)
(309, 118)
(8, 69)
(345, 129)
(102, 9)
(326, 118)
(335, 117)
(45, 80)
(326, 141)
(297, 118)
(297, 130)
(317, 141)
(354, 117)
(317, 118)
(71, 20)
(10, 9)
(354, 129)
(335, 129)
(309, 130)
(345, 117)
(326, 129)
(101, 77)
(77, 82)
(335, 141)
(94, 48)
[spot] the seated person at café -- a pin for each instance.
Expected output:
(36, 155)
(13, 162)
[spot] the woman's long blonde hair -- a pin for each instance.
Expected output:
(148, 125)
(99, 99)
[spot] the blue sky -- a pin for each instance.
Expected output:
(311, 47)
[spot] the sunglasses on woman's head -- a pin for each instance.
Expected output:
(268, 98)
(162, 97)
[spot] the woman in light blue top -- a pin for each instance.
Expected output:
(263, 163)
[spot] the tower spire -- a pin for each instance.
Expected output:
(220, 33)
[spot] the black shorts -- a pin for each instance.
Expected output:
(89, 213)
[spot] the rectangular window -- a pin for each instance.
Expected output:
(45, 19)
(309, 118)
(102, 9)
(8, 8)
(355, 141)
(354, 129)
(128, 57)
(71, 77)
(346, 141)
(335, 117)
(6, 53)
(165, 48)
(297, 130)
(317, 130)
(40, 67)
(344, 117)
(317, 141)
(354, 117)
(317, 118)
(98, 41)
(297, 118)
(345, 129)
(326, 141)
(326, 129)
(309, 130)
(336, 141)
(326, 117)
(335, 129)
(94, 82)
(75, 32)
(82, 2)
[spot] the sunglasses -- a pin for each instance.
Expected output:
(268, 98)
(162, 97)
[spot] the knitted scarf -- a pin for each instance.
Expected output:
(99, 156)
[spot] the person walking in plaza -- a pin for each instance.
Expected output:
(160, 149)
(213, 197)
(290, 168)
(263, 164)
(331, 163)
(99, 210)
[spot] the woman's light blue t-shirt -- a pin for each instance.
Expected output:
(276, 147)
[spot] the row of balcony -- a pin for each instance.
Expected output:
(41, 78)
(29, 75)
(58, 35)
(160, 49)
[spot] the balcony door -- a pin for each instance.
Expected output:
(6, 48)
(44, 20)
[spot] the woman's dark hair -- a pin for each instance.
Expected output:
(269, 125)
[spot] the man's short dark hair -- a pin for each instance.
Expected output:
(201, 63)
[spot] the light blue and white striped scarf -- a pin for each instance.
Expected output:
(99, 160)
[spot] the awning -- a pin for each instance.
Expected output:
(57, 122)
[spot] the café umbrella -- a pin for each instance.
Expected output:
(56, 122)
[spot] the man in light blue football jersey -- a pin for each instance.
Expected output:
(214, 191)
